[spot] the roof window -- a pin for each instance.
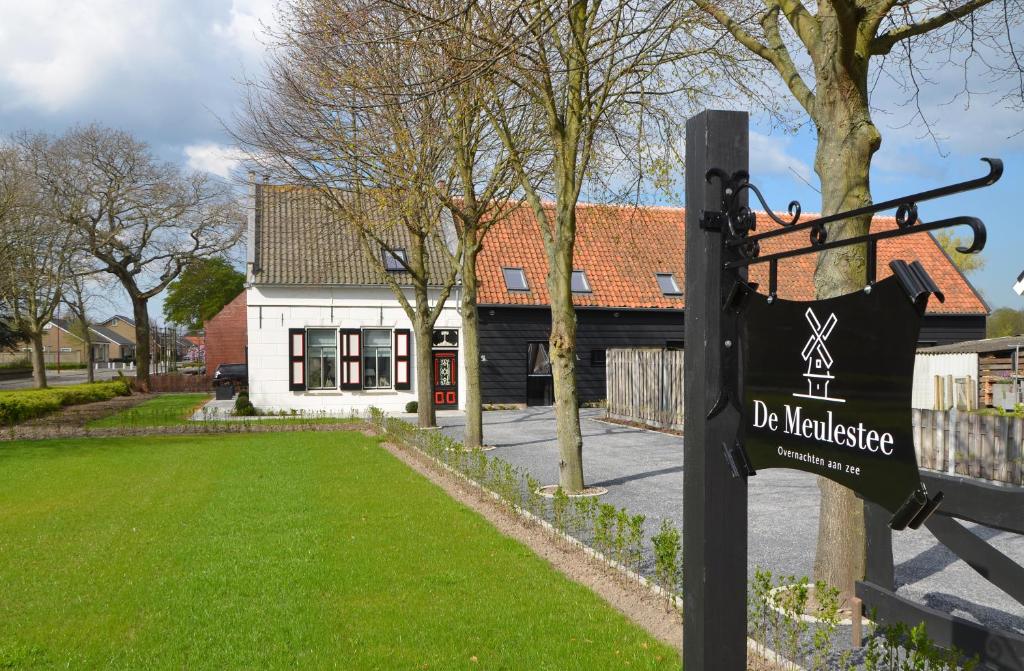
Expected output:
(667, 282)
(515, 279)
(580, 285)
(394, 259)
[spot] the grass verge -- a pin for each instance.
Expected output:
(275, 550)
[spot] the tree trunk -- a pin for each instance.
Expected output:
(563, 356)
(35, 336)
(424, 332)
(847, 140)
(140, 308)
(90, 359)
(471, 351)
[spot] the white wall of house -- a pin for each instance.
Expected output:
(273, 310)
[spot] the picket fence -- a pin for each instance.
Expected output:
(645, 386)
(979, 446)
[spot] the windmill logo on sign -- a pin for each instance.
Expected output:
(818, 358)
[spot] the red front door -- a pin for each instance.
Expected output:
(446, 383)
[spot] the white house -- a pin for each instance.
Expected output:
(325, 332)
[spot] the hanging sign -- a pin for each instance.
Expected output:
(827, 388)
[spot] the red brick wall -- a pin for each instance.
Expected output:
(226, 335)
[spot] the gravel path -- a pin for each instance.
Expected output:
(643, 471)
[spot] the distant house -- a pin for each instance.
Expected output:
(225, 335)
(62, 343)
(324, 331)
(196, 349)
(124, 327)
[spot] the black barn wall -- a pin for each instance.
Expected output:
(504, 336)
(947, 329)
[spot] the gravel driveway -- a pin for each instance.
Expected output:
(643, 471)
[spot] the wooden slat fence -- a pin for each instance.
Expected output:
(645, 386)
(178, 382)
(978, 446)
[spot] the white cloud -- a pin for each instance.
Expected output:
(218, 159)
(246, 26)
(770, 155)
(53, 52)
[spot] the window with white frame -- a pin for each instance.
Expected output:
(321, 359)
(377, 359)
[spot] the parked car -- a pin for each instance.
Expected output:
(235, 374)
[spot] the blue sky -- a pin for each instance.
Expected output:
(168, 71)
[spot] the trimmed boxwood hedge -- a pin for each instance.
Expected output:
(18, 406)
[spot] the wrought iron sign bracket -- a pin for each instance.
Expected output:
(742, 247)
(737, 222)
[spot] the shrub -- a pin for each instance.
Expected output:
(243, 406)
(667, 561)
(22, 405)
(412, 406)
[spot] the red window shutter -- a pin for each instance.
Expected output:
(296, 359)
(351, 358)
(403, 351)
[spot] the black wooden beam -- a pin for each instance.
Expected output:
(714, 502)
(997, 649)
(879, 567)
(992, 564)
(997, 506)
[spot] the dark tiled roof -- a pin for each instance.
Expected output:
(129, 320)
(980, 346)
(622, 248)
(112, 335)
(300, 241)
(99, 333)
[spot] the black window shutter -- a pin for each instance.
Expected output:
(403, 349)
(351, 368)
(296, 359)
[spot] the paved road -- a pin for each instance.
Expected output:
(64, 377)
(643, 471)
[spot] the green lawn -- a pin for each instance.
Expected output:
(164, 410)
(300, 550)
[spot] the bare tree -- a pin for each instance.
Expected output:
(830, 55)
(36, 253)
(607, 83)
(142, 219)
(84, 287)
(481, 181)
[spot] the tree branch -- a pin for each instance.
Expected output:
(884, 43)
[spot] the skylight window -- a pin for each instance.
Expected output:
(580, 285)
(394, 259)
(667, 282)
(515, 279)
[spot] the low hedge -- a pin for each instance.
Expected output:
(18, 406)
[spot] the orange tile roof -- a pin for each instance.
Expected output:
(621, 248)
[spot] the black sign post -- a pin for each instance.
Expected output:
(714, 502)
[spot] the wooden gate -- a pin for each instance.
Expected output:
(996, 506)
(645, 386)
